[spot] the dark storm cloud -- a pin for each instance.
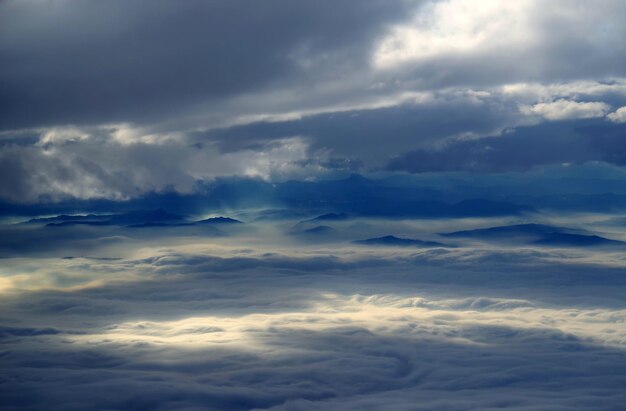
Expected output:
(156, 61)
(523, 148)
(131, 98)
(377, 134)
(96, 62)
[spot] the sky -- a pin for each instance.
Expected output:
(312, 205)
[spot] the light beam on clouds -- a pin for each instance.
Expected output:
(380, 314)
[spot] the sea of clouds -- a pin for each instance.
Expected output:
(174, 320)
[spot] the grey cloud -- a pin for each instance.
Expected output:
(373, 136)
(522, 149)
(448, 134)
(88, 171)
(191, 65)
(401, 124)
(469, 328)
(12, 332)
(93, 63)
(106, 164)
(346, 368)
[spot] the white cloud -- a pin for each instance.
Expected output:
(618, 116)
(567, 110)
(127, 134)
(58, 135)
(414, 316)
(456, 26)
(534, 92)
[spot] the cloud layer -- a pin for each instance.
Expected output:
(219, 324)
(283, 92)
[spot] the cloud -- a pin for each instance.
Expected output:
(587, 89)
(125, 161)
(325, 351)
(567, 110)
(459, 42)
(376, 314)
(121, 162)
(343, 55)
(254, 321)
(343, 368)
(456, 27)
(305, 100)
(127, 69)
(619, 116)
(553, 143)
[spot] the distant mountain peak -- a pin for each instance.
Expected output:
(538, 234)
(577, 240)
(391, 240)
(219, 220)
(320, 229)
(509, 230)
